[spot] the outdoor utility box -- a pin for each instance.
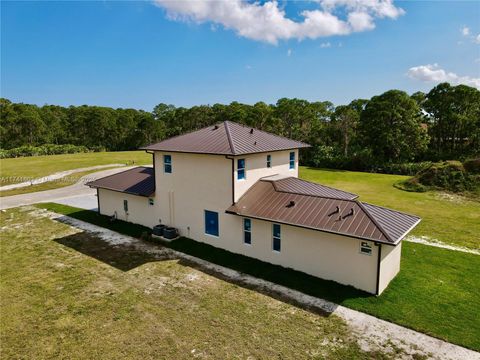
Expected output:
(169, 233)
(158, 229)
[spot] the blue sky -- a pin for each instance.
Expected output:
(138, 54)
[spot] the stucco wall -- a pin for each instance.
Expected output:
(204, 182)
(256, 168)
(139, 211)
(390, 264)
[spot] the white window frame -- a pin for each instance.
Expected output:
(269, 160)
(165, 164)
(290, 166)
(244, 169)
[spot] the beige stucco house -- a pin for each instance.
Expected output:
(237, 188)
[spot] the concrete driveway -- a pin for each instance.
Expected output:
(78, 194)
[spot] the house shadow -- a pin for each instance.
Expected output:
(300, 290)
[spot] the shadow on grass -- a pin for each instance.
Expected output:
(126, 257)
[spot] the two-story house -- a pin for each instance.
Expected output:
(237, 188)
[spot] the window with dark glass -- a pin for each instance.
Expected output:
(211, 223)
(269, 161)
(276, 237)
(292, 160)
(125, 205)
(247, 231)
(241, 169)
(365, 248)
(167, 164)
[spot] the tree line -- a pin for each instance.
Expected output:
(393, 127)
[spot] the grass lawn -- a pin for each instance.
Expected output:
(38, 166)
(66, 294)
(50, 185)
(436, 291)
(451, 219)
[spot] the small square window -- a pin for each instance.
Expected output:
(269, 161)
(167, 164)
(150, 201)
(240, 169)
(365, 248)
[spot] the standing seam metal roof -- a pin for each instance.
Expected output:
(137, 181)
(227, 138)
(343, 216)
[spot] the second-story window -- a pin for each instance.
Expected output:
(292, 160)
(167, 164)
(276, 243)
(241, 169)
(269, 161)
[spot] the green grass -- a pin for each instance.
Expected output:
(70, 295)
(455, 221)
(436, 291)
(38, 166)
(50, 185)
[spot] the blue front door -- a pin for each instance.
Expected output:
(211, 223)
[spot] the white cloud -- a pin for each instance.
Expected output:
(465, 31)
(268, 22)
(325, 45)
(477, 39)
(289, 52)
(433, 73)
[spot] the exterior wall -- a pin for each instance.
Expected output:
(139, 211)
(389, 265)
(201, 182)
(256, 168)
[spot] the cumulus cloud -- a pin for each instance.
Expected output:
(465, 31)
(269, 23)
(433, 73)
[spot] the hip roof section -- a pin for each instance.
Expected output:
(137, 181)
(295, 203)
(227, 138)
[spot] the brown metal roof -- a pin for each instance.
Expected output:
(337, 215)
(137, 181)
(298, 186)
(227, 138)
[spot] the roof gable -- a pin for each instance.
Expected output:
(137, 181)
(227, 138)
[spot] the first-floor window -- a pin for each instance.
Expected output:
(276, 245)
(269, 161)
(365, 248)
(240, 169)
(167, 164)
(211, 223)
(150, 201)
(247, 231)
(125, 205)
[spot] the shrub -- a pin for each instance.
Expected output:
(472, 166)
(448, 175)
(47, 149)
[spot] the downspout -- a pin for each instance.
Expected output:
(379, 259)
(98, 201)
(154, 168)
(233, 177)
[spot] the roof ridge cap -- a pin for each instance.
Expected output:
(315, 183)
(229, 137)
(386, 208)
(382, 230)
